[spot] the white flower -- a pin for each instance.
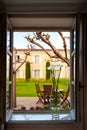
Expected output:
(51, 67)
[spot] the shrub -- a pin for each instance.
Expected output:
(27, 72)
(37, 80)
(47, 71)
(66, 81)
(20, 80)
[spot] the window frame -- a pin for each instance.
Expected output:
(9, 53)
(37, 59)
(52, 125)
(36, 73)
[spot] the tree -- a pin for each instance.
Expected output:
(45, 37)
(17, 63)
(27, 70)
(47, 71)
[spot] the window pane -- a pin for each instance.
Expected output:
(8, 40)
(73, 73)
(36, 58)
(8, 71)
(7, 82)
(36, 73)
(18, 74)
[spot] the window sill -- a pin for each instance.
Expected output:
(21, 120)
(17, 116)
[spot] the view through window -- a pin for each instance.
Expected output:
(44, 64)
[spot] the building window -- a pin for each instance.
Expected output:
(37, 58)
(17, 58)
(18, 74)
(36, 73)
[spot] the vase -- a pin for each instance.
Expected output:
(56, 113)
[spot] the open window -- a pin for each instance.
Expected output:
(70, 119)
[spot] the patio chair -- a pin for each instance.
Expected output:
(64, 96)
(47, 93)
(39, 94)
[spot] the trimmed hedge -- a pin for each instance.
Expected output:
(66, 81)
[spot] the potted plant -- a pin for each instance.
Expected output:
(55, 98)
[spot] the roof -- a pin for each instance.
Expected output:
(38, 49)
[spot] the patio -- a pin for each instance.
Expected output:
(27, 103)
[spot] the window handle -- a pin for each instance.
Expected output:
(80, 85)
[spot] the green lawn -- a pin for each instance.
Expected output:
(28, 89)
(25, 90)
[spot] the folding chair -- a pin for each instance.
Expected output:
(39, 94)
(64, 96)
(47, 89)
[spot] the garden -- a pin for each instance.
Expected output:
(27, 88)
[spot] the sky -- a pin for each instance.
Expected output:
(21, 43)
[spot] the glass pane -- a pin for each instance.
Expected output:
(7, 81)
(8, 71)
(36, 58)
(73, 73)
(8, 40)
(37, 73)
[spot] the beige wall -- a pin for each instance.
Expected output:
(41, 65)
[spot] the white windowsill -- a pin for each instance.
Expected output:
(39, 116)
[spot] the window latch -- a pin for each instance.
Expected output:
(81, 86)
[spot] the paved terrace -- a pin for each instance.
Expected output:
(28, 102)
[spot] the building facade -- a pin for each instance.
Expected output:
(37, 60)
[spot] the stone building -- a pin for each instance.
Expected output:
(38, 59)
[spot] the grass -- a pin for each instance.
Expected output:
(28, 89)
(25, 90)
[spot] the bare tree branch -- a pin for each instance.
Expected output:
(20, 64)
(21, 61)
(34, 42)
(45, 38)
(64, 42)
(55, 50)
